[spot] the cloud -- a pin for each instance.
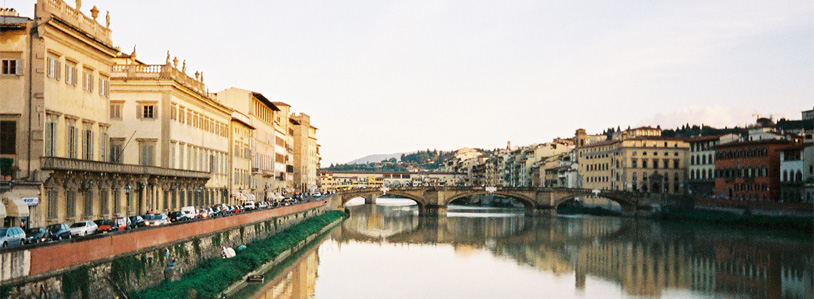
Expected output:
(714, 115)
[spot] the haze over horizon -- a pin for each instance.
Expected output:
(382, 77)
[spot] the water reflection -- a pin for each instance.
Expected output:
(586, 256)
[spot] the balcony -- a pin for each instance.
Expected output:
(159, 71)
(65, 164)
(77, 19)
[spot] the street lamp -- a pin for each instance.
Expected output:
(127, 189)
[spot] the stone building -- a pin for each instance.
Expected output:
(55, 83)
(262, 114)
(702, 163)
(306, 157)
(749, 170)
(646, 164)
(240, 182)
(161, 117)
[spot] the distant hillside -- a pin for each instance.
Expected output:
(420, 160)
(376, 158)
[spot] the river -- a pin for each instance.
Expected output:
(387, 251)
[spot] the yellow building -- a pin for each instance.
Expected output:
(54, 83)
(646, 164)
(284, 148)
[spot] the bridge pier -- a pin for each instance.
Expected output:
(433, 210)
(371, 200)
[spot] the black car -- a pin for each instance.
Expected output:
(136, 222)
(58, 231)
(36, 235)
(176, 216)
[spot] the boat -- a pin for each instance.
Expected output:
(254, 278)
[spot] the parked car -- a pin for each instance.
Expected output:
(11, 237)
(203, 213)
(104, 225)
(136, 221)
(121, 223)
(176, 216)
(189, 212)
(249, 205)
(83, 228)
(317, 194)
(36, 235)
(156, 219)
(58, 231)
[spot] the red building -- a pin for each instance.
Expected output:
(749, 170)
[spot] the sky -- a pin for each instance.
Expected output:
(385, 76)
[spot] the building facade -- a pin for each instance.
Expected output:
(306, 156)
(702, 163)
(749, 170)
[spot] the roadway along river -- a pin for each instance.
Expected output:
(388, 251)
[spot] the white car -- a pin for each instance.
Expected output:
(317, 194)
(83, 228)
(189, 212)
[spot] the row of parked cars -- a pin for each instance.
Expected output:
(16, 236)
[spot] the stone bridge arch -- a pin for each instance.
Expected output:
(624, 200)
(528, 202)
(421, 202)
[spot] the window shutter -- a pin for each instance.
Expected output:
(58, 67)
(139, 111)
(20, 65)
(74, 73)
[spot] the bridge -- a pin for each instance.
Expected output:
(433, 201)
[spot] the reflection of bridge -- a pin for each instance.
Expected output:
(434, 200)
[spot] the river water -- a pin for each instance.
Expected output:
(387, 251)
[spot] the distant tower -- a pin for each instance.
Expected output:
(508, 145)
(579, 138)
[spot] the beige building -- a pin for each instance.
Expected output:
(284, 148)
(240, 183)
(306, 156)
(54, 85)
(162, 117)
(646, 164)
(262, 114)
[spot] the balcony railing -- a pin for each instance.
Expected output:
(76, 18)
(65, 164)
(159, 71)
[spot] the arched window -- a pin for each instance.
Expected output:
(799, 176)
(785, 175)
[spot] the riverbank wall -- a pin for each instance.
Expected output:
(108, 266)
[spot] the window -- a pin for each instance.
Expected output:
(10, 67)
(116, 200)
(70, 74)
(72, 139)
(88, 204)
(54, 67)
(115, 111)
(70, 204)
(104, 86)
(181, 114)
(53, 200)
(146, 111)
(103, 199)
(8, 137)
(87, 81)
(50, 135)
(147, 153)
(87, 142)
(103, 138)
(173, 112)
(116, 146)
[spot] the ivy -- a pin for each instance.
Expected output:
(124, 268)
(196, 244)
(5, 291)
(76, 280)
(242, 229)
(216, 240)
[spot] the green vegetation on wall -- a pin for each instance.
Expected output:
(213, 276)
(76, 280)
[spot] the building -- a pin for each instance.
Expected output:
(241, 186)
(641, 164)
(262, 114)
(362, 179)
(749, 170)
(306, 156)
(796, 180)
(284, 148)
(702, 163)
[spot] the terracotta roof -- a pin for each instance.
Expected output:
(705, 138)
(264, 100)
(747, 143)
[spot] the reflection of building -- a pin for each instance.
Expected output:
(299, 282)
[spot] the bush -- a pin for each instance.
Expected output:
(213, 276)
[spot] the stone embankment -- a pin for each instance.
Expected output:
(108, 266)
